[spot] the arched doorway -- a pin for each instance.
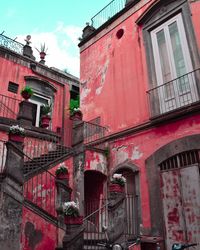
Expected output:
(180, 189)
(174, 190)
(94, 198)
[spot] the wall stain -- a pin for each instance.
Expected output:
(34, 236)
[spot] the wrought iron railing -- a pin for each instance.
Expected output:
(93, 132)
(40, 190)
(9, 107)
(97, 217)
(107, 12)
(42, 151)
(11, 44)
(3, 154)
(177, 93)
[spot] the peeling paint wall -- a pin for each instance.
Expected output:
(137, 148)
(96, 161)
(114, 79)
(108, 90)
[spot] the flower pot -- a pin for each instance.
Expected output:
(16, 138)
(116, 188)
(26, 95)
(42, 55)
(76, 116)
(70, 220)
(45, 120)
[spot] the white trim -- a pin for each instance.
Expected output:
(39, 104)
(177, 98)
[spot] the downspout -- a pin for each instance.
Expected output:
(63, 114)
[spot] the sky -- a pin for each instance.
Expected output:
(57, 23)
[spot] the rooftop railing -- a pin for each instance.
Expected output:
(107, 12)
(11, 44)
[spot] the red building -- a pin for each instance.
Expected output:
(140, 99)
(29, 189)
(140, 77)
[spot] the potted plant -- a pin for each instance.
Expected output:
(75, 112)
(117, 183)
(45, 117)
(43, 50)
(62, 172)
(26, 92)
(16, 133)
(71, 212)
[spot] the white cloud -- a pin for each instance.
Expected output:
(62, 44)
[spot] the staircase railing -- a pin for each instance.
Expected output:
(40, 191)
(96, 217)
(9, 107)
(42, 151)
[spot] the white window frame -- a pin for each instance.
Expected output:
(39, 104)
(186, 56)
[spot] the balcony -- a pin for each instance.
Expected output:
(174, 95)
(11, 44)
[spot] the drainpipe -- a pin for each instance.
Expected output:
(63, 114)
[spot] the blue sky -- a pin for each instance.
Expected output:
(57, 23)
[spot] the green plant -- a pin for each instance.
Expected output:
(107, 152)
(74, 105)
(27, 90)
(61, 170)
(46, 109)
(118, 179)
(16, 130)
(43, 48)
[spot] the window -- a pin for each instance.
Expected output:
(172, 56)
(38, 102)
(13, 87)
(176, 85)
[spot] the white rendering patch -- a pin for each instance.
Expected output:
(99, 165)
(136, 154)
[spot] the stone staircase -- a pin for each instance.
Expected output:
(45, 160)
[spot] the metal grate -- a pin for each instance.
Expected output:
(13, 87)
(181, 160)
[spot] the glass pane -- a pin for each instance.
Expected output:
(164, 59)
(183, 83)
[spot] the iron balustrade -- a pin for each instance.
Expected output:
(40, 190)
(97, 217)
(107, 12)
(42, 151)
(177, 93)
(93, 132)
(3, 155)
(9, 107)
(11, 44)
